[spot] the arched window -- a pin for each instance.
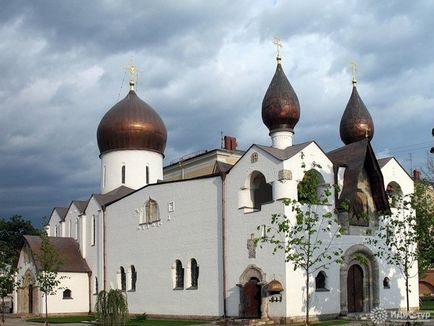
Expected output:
(320, 281)
(311, 189)
(394, 193)
(261, 191)
(152, 211)
(133, 275)
(179, 275)
(194, 273)
(123, 172)
(386, 283)
(147, 174)
(123, 279)
(93, 231)
(96, 289)
(67, 294)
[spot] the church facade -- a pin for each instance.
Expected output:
(182, 245)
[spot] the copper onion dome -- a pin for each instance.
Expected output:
(131, 124)
(274, 286)
(280, 107)
(356, 123)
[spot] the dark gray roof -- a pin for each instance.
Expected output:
(284, 154)
(80, 204)
(104, 199)
(383, 161)
(72, 261)
(221, 167)
(61, 211)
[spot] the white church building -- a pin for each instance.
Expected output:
(179, 240)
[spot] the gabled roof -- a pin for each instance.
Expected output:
(113, 195)
(284, 154)
(80, 204)
(383, 161)
(220, 167)
(61, 211)
(356, 157)
(72, 261)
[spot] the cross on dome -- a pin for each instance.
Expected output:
(278, 44)
(354, 69)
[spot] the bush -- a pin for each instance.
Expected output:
(111, 308)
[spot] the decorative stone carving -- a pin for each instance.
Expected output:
(251, 246)
(254, 157)
(284, 175)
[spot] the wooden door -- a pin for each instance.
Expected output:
(355, 289)
(252, 299)
(30, 299)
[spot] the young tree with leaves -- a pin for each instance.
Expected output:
(396, 240)
(47, 277)
(8, 283)
(308, 240)
(111, 308)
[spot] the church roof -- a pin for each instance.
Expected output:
(355, 157)
(72, 261)
(61, 211)
(383, 161)
(80, 204)
(220, 167)
(280, 106)
(131, 124)
(115, 194)
(284, 154)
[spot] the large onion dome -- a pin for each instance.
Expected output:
(356, 123)
(280, 107)
(131, 124)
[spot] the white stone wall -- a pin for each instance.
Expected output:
(192, 230)
(135, 162)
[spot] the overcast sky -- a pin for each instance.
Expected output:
(205, 67)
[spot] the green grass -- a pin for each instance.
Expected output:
(62, 319)
(327, 323)
(132, 322)
(427, 305)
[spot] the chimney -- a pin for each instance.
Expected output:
(416, 175)
(230, 143)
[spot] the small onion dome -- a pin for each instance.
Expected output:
(131, 124)
(280, 107)
(274, 286)
(356, 122)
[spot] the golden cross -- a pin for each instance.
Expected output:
(354, 69)
(278, 44)
(133, 71)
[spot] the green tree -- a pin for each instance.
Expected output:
(8, 282)
(396, 239)
(423, 203)
(308, 241)
(11, 235)
(111, 308)
(47, 277)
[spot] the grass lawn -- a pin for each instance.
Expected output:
(427, 305)
(327, 323)
(132, 322)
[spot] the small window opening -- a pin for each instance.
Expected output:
(123, 174)
(133, 278)
(147, 174)
(67, 294)
(123, 279)
(310, 190)
(179, 276)
(93, 235)
(194, 270)
(394, 194)
(152, 211)
(386, 283)
(320, 281)
(96, 285)
(261, 191)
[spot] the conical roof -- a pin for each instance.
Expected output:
(356, 122)
(131, 124)
(280, 106)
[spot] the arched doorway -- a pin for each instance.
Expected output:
(30, 299)
(359, 280)
(252, 302)
(355, 289)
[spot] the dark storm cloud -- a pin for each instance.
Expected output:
(204, 66)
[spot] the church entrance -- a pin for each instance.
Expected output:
(30, 299)
(355, 289)
(252, 299)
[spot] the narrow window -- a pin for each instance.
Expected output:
(96, 285)
(55, 231)
(133, 278)
(320, 281)
(93, 233)
(104, 176)
(147, 174)
(123, 174)
(67, 294)
(76, 229)
(386, 283)
(179, 275)
(70, 228)
(194, 270)
(123, 279)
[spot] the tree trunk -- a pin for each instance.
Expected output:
(3, 310)
(407, 291)
(307, 298)
(46, 310)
